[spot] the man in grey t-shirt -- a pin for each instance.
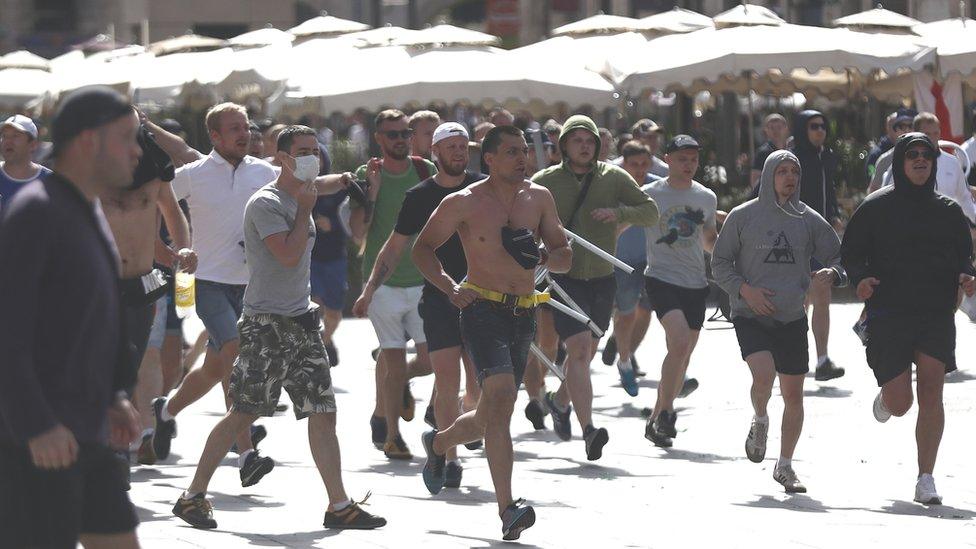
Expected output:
(280, 343)
(675, 274)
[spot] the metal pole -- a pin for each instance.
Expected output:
(599, 252)
(553, 367)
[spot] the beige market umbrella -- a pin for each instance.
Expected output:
(598, 24)
(878, 20)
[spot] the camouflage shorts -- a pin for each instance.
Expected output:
(277, 352)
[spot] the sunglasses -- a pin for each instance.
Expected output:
(818, 127)
(394, 134)
(915, 153)
(900, 127)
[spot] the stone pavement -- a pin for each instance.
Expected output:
(701, 493)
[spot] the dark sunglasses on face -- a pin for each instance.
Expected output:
(402, 134)
(901, 127)
(914, 154)
(818, 127)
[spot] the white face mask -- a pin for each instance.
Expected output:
(306, 167)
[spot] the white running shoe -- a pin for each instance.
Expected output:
(756, 441)
(785, 475)
(925, 491)
(880, 412)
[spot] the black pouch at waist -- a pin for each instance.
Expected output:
(310, 321)
(143, 290)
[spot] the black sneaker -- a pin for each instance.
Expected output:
(476, 445)
(666, 421)
(688, 387)
(258, 433)
(595, 440)
(828, 371)
(434, 470)
(146, 454)
(429, 418)
(517, 517)
(535, 412)
(254, 469)
(195, 511)
(560, 420)
(332, 354)
(452, 475)
(164, 431)
(653, 434)
(610, 351)
(353, 517)
(378, 426)
(409, 404)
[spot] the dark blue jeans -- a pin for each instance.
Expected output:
(497, 338)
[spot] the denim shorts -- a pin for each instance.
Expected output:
(497, 338)
(631, 290)
(219, 306)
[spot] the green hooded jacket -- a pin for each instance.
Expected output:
(611, 187)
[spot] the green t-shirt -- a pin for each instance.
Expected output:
(392, 192)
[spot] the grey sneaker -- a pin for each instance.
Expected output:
(787, 477)
(880, 412)
(756, 441)
(925, 491)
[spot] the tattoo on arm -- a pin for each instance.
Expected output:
(382, 273)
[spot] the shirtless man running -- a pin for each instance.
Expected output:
(497, 220)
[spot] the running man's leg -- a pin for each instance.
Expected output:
(931, 412)
(218, 444)
(395, 362)
(579, 354)
(791, 387)
(820, 296)
(447, 383)
(763, 375)
(324, 445)
(680, 341)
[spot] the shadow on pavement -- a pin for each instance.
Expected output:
(466, 496)
(828, 392)
(592, 471)
(695, 457)
(146, 515)
(794, 502)
(395, 467)
(627, 410)
(899, 507)
(298, 539)
(959, 376)
(487, 542)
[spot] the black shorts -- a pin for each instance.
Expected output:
(594, 296)
(666, 297)
(442, 320)
(40, 508)
(787, 342)
(894, 338)
(498, 338)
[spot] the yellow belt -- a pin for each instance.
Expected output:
(509, 300)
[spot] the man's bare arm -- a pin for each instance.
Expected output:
(386, 261)
(176, 223)
(333, 182)
(443, 223)
(553, 236)
(177, 149)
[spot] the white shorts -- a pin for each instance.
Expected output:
(395, 317)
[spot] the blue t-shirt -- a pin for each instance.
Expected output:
(631, 244)
(9, 186)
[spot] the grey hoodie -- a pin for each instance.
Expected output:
(770, 246)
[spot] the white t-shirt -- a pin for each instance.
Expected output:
(950, 180)
(217, 193)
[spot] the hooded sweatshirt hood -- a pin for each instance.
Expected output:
(579, 121)
(801, 141)
(767, 186)
(904, 186)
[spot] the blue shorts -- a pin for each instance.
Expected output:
(631, 290)
(329, 283)
(219, 306)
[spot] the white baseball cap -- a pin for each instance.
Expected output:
(21, 123)
(449, 129)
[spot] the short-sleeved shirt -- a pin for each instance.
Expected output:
(418, 205)
(217, 192)
(10, 185)
(675, 253)
(274, 288)
(390, 198)
(631, 244)
(329, 245)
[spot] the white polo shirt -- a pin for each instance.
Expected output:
(217, 194)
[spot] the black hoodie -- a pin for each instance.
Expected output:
(915, 241)
(818, 168)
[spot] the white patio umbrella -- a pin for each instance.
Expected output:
(878, 20)
(598, 24)
(383, 36)
(267, 36)
(945, 27)
(747, 15)
(187, 43)
(584, 52)
(21, 86)
(23, 59)
(448, 35)
(675, 21)
(326, 25)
